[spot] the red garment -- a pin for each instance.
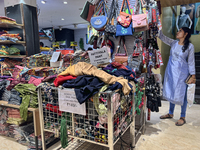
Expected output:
(54, 109)
(61, 79)
(120, 66)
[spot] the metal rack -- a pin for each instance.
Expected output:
(103, 127)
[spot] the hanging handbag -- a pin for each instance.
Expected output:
(84, 12)
(122, 31)
(121, 57)
(90, 12)
(139, 21)
(135, 61)
(124, 19)
(98, 22)
(111, 27)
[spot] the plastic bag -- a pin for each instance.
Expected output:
(190, 94)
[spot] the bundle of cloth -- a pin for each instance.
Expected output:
(88, 80)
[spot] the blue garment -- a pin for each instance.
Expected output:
(179, 66)
(183, 108)
(85, 86)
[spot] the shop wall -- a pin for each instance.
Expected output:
(46, 43)
(167, 30)
(81, 33)
(195, 41)
(64, 35)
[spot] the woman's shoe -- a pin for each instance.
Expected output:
(182, 123)
(167, 116)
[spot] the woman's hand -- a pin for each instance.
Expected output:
(192, 80)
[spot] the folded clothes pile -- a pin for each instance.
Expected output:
(11, 37)
(15, 97)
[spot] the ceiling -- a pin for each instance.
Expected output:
(53, 11)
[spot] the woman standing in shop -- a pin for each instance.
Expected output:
(181, 64)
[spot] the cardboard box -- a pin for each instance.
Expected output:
(56, 60)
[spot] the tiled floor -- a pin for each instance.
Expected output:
(159, 135)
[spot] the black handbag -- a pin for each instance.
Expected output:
(112, 15)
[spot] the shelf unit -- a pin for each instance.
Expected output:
(36, 119)
(13, 56)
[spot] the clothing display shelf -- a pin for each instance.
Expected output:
(17, 27)
(36, 120)
(84, 128)
(10, 25)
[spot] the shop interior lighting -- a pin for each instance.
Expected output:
(62, 19)
(43, 2)
(65, 2)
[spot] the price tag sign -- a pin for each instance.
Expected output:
(68, 102)
(99, 56)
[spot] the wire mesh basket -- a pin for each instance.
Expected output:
(108, 115)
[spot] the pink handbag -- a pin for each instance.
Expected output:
(139, 21)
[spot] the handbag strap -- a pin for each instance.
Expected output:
(123, 4)
(100, 7)
(118, 47)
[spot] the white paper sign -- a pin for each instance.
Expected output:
(99, 56)
(68, 102)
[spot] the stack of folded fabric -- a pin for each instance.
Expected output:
(4, 19)
(15, 98)
(10, 37)
(14, 116)
(49, 137)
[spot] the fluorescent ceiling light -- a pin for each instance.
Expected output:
(62, 19)
(43, 2)
(64, 2)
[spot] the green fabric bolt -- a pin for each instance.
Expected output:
(138, 99)
(28, 93)
(63, 132)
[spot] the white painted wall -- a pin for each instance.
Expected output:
(81, 33)
(46, 42)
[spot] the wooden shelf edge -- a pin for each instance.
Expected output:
(13, 56)
(10, 25)
(44, 38)
(10, 42)
(5, 103)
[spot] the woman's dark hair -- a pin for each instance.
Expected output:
(186, 41)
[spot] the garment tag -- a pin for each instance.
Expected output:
(99, 56)
(69, 103)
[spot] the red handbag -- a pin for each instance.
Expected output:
(90, 12)
(124, 19)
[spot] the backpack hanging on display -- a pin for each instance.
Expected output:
(99, 21)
